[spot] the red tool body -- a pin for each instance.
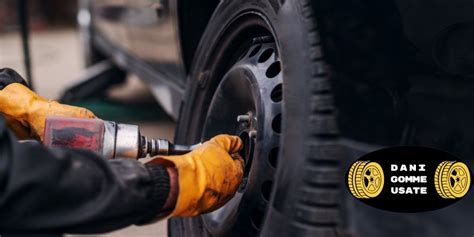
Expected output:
(109, 139)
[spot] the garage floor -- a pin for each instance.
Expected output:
(56, 63)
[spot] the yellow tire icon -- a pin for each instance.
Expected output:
(365, 179)
(452, 179)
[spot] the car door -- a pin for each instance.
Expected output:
(154, 38)
(110, 18)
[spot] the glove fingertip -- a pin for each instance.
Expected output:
(236, 144)
(89, 114)
(231, 144)
(238, 160)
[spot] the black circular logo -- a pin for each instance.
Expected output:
(408, 179)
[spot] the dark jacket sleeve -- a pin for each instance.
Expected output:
(72, 191)
(8, 76)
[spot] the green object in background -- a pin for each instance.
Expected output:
(116, 111)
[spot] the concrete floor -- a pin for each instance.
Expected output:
(56, 63)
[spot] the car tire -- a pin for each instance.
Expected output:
(305, 196)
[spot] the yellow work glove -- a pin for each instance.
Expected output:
(26, 112)
(208, 176)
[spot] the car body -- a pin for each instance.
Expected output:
(145, 37)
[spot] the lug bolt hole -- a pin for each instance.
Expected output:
(273, 156)
(265, 55)
(273, 70)
(267, 190)
(277, 93)
(276, 124)
(257, 218)
(255, 50)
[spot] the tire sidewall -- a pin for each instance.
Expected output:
(290, 28)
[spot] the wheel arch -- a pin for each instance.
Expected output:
(193, 18)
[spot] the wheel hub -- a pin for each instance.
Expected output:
(248, 133)
(247, 103)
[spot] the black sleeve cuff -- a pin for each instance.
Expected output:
(9, 76)
(159, 192)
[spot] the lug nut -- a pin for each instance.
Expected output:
(243, 118)
(253, 134)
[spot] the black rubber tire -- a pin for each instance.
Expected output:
(305, 197)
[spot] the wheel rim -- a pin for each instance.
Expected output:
(252, 88)
(459, 179)
(373, 179)
(220, 57)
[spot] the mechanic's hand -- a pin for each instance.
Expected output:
(208, 176)
(26, 112)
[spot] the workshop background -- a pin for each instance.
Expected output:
(57, 61)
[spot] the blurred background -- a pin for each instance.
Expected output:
(57, 61)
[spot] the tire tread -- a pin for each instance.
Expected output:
(318, 205)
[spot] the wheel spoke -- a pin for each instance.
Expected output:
(375, 172)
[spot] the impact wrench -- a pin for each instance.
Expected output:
(110, 139)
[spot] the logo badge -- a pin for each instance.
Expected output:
(408, 179)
